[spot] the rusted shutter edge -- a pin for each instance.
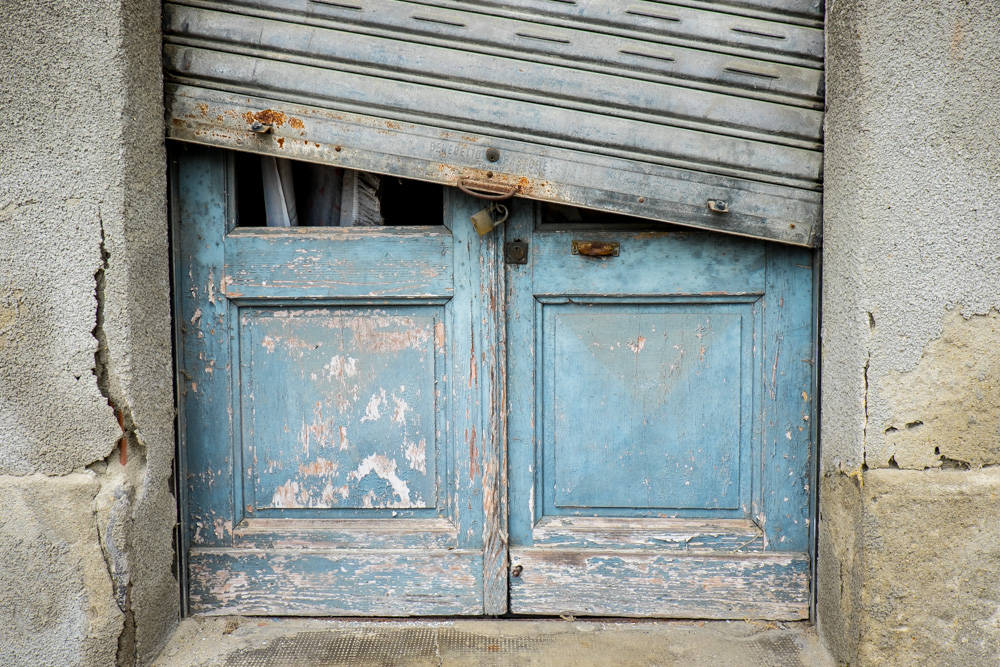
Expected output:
(703, 201)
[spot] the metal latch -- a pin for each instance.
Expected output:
(515, 252)
(594, 248)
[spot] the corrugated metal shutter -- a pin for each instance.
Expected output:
(648, 108)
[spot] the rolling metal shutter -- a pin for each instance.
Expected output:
(706, 114)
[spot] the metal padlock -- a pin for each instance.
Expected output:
(484, 221)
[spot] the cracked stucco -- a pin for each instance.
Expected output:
(908, 547)
(82, 225)
(910, 233)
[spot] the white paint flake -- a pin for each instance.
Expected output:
(372, 410)
(399, 415)
(385, 468)
(268, 344)
(341, 367)
(637, 346)
(288, 495)
(416, 455)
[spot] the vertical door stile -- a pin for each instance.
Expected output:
(494, 378)
(479, 266)
(787, 411)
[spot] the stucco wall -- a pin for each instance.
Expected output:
(911, 333)
(84, 336)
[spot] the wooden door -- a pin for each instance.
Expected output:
(659, 407)
(337, 388)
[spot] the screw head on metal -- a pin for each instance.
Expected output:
(492, 154)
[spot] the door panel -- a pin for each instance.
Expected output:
(327, 381)
(678, 370)
(339, 408)
(650, 411)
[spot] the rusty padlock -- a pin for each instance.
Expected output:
(486, 221)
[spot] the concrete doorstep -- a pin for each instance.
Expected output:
(269, 642)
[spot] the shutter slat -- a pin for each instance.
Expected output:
(689, 106)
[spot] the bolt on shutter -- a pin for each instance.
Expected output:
(707, 114)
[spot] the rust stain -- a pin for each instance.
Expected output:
(317, 468)
(473, 457)
(439, 336)
(267, 117)
(177, 122)
(296, 123)
(203, 108)
(123, 443)
(281, 142)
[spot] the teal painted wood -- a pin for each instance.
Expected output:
(266, 263)
(478, 271)
(204, 368)
(644, 406)
(604, 582)
(521, 380)
(336, 582)
(330, 410)
(689, 263)
(669, 457)
(340, 411)
(785, 512)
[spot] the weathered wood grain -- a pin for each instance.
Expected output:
(785, 512)
(204, 356)
(722, 535)
(338, 263)
(345, 534)
(336, 583)
(631, 583)
(649, 263)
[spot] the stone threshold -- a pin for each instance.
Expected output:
(231, 641)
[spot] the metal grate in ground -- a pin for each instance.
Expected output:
(385, 647)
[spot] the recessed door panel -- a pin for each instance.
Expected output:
(340, 406)
(646, 408)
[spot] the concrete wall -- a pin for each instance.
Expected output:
(84, 336)
(909, 564)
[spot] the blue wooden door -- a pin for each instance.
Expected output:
(660, 411)
(336, 404)
(391, 421)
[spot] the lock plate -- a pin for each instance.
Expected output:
(515, 252)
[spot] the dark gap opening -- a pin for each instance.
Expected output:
(249, 191)
(560, 214)
(408, 202)
(402, 202)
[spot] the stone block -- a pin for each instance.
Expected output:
(909, 567)
(56, 602)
